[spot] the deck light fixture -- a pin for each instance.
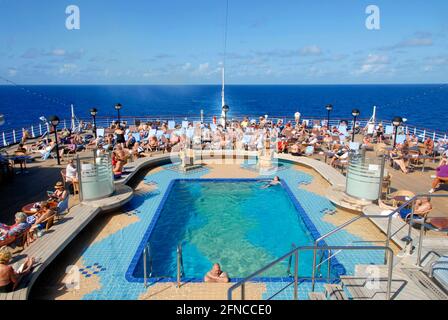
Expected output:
(329, 108)
(225, 109)
(355, 114)
(118, 107)
(94, 112)
(397, 121)
(54, 121)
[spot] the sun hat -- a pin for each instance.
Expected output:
(59, 184)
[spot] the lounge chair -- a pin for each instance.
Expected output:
(100, 132)
(48, 154)
(343, 130)
(354, 146)
(400, 193)
(171, 125)
(62, 207)
(136, 136)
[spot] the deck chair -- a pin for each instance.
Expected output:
(190, 133)
(62, 207)
(136, 136)
(343, 129)
(354, 146)
(370, 129)
(48, 154)
(100, 132)
(389, 130)
(309, 150)
(171, 125)
(152, 132)
(401, 138)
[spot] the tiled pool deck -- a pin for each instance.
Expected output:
(115, 252)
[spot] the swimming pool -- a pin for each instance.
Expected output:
(235, 222)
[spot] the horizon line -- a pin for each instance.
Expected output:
(219, 84)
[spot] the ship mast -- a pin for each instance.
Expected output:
(223, 100)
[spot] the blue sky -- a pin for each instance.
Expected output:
(181, 42)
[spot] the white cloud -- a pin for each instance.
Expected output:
(312, 50)
(12, 72)
(67, 68)
(419, 39)
(374, 63)
(187, 66)
(58, 52)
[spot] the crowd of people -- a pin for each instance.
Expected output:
(27, 228)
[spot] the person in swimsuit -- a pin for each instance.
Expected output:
(119, 136)
(9, 278)
(274, 182)
(216, 275)
(422, 208)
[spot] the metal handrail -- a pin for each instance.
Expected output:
(180, 265)
(295, 252)
(147, 255)
(389, 226)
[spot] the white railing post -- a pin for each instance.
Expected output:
(407, 130)
(4, 140)
(14, 136)
(32, 132)
(434, 136)
(415, 131)
(40, 129)
(424, 135)
(65, 124)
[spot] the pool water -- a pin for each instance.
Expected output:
(236, 223)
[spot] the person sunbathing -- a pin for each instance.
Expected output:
(10, 278)
(11, 234)
(39, 220)
(216, 275)
(342, 154)
(59, 194)
(441, 177)
(421, 209)
(153, 143)
(397, 157)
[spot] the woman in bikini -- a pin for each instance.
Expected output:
(9, 278)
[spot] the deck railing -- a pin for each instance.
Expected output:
(13, 136)
(295, 254)
(389, 234)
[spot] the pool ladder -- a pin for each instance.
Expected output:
(180, 264)
(147, 257)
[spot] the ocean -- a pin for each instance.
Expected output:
(424, 106)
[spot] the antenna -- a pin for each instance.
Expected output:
(223, 99)
(223, 87)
